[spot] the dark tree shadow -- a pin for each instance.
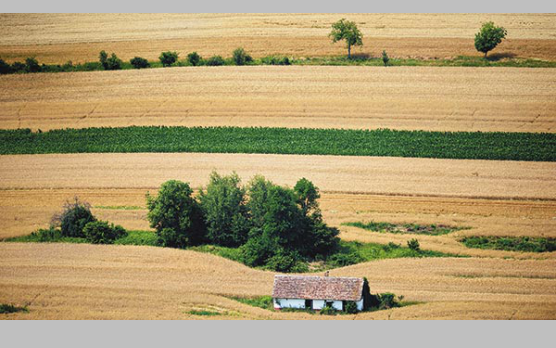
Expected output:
(498, 56)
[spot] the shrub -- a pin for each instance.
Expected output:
(110, 63)
(342, 260)
(5, 68)
(413, 244)
(75, 215)
(350, 307)
(32, 65)
(194, 58)
(387, 300)
(224, 209)
(328, 310)
(47, 235)
(168, 58)
(385, 58)
(489, 37)
(176, 215)
(273, 60)
(100, 232)
(215, 61)
(6, 308)
(240, 57)
(18, 67)
(139, 63)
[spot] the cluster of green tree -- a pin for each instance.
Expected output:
(275, 227)
(77, 221)
(486, 39)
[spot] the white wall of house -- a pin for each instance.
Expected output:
(359, 305)
(317, 304)
(338, 305)
(289, 303)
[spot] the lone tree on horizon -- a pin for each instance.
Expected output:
(346, 30)
(489, 37)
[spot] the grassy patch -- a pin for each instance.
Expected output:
(349, 253)
(119, 207)
(264, 302)
(522, 276)
(225, 252)
(343, 142)
(433, 230)
(53, 236)
(9, 308)
(526, 244)
(138, 238)
(494, 60)
(356, 252)
(461, 61)
(204, 313)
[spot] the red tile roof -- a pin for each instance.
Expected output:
(318, 288)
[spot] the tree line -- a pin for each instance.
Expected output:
(488, 37)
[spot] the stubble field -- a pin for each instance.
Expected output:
(490, 198)
(57, 38)
(406, 98)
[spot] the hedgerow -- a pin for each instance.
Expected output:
(381, 142)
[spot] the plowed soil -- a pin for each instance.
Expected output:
(57, 38)
(409, 98)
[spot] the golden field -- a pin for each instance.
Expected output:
(117, 282)
(491, 198)
(408, 98)
(57, 38)
(504, 198)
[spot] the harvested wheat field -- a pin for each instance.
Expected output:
(57, 38)
(110, 282)
(407, 98)
(502, 198)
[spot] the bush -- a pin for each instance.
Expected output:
(194, 58)
(110, 63)
(100, 232)
(413, 244)
(387, 300)
(139, 63)
(168, 58)
(5, 68)
(215, 61)
(350, 307)
(18, 67)
(75, 215)
(342, 260)
(47, 235)
(224, 210)
(240, 57)
(273, 60)
(328, 310)
(176, 215)
(385, 58)
(32, 65)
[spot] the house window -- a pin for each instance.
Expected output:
(309, 304)
(329, 303)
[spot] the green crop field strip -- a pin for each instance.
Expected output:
(381, 142)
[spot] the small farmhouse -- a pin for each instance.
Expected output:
(314, 292)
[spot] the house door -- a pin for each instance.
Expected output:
(308, 304)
